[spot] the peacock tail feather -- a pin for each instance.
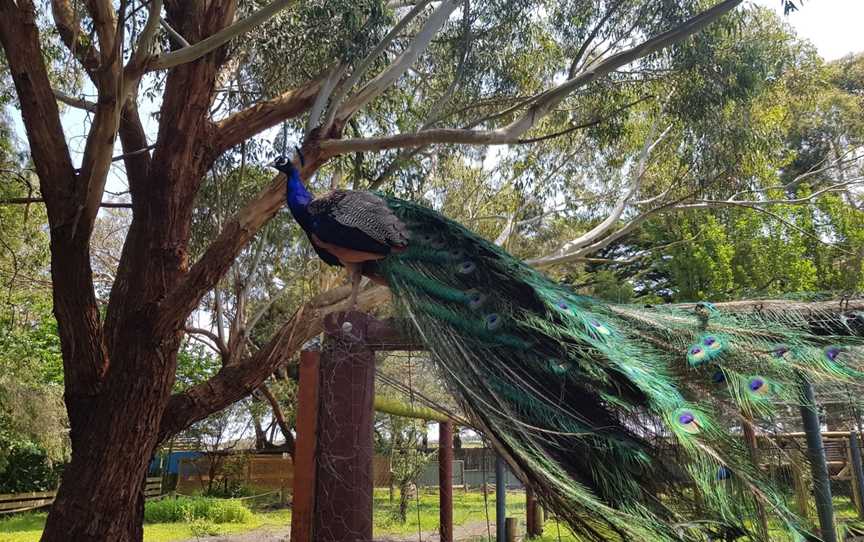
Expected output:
(586, 399)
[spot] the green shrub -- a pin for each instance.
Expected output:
(26, 467)
(229, 489)
(188, 509)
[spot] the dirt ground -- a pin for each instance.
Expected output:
(463, 533)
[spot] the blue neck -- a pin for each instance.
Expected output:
(298, 198)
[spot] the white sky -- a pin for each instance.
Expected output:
(836, 27)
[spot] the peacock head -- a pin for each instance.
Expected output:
(285, 165)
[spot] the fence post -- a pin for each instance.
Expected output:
(445, 480)
(511, 529)
(818, 464)
(303, 506)
(500, 499)
(343, 489)
(533, 514)
(857, 470)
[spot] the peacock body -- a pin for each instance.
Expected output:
(584, 399)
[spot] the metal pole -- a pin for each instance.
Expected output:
(501, 500)
(857, 468)
(818, 464)
(445, 480)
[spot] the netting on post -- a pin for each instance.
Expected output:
(343, 510)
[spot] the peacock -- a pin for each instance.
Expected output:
(625, 419)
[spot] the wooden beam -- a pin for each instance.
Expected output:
(390, 335)
(303, 506)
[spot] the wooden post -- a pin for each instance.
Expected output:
(303, 507)
(343, 503)
(857, 471)
(533, 514)
(753, 447)
(445, 480)
(500, 498)
(818, 464)
(511, 528)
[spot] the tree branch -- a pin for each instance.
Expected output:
(540, 105)
(145, 41)
(194, 52)
(261, 116)
(399, 66)
(173, 34)
(236, 381)
(221, 348)
(280, 417)
(27, 201)
(639, 173)
(361, 69)
(80, 103)
(235, 234)
(81, 338)
(70, 33)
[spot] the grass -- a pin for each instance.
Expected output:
(467, 508)
(169, 520)
(220, 517)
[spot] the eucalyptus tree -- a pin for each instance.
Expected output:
(364, 86)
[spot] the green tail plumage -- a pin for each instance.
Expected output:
(586, 399)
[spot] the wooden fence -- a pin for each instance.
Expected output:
(21, 502)
(261, 471)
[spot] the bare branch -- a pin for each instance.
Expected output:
(261, 116)
(218, 345)
(330, 81)
(146, 39)
(233, 382)
(173, 34)
(367, 62)
(639, 173)
(280, 417)
(194, 52)
(80, 103)
(70, 33)
(540, 105)
(26, 201)
(399, 66)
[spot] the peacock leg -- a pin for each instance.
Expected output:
(354, 270)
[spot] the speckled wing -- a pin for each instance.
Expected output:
(358, 220)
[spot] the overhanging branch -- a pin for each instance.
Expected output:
(235, 381)
(539, 105)
(194, 52)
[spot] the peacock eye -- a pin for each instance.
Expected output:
(758, 386)
(466, 268)
(600, 328)
(475, 299)
(493, 321)
(687, 421)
